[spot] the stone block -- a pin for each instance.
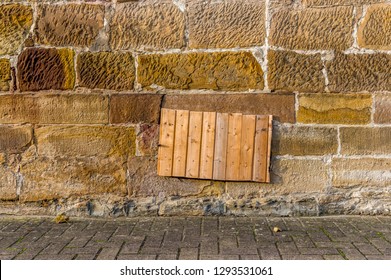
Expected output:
(227, 24)
(335, 108)
(5, 74)
(7, 184)
(365, 140)
(359, 72)
(105, 70)
(382, 108)
(332, 3)
(295, 72)
(15, 139)
(312, 29)
(54, 109)
(215, 71)
(15, 23)
(148, 25)
(43, 69)
(374, 31)
(281, 106)
(148, 139)
(69, 25)
(135, 108)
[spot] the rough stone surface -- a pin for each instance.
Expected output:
(382, 108)
(132, 108)
(310, 29)
(69, 25)
(292, 71)
(42, 69)
(5, 74)
(217, 71)
(335, 108)
(7, 184)
(54, 109)
(363, 172)
(281, 106)
(105, 70)
(228, 24)
(375, 30)
(304, 140)
(327, 3)
(85, 141)
(15, 23)
(359, 72)
(148, 139)
(15, 139)
(365, 140)
(147, 25)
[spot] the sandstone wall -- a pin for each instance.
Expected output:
(82, 84)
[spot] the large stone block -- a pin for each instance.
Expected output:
(295, 72)
(217, 71)
(227, 24)
(15, 139)
(135, 108)
(359, 72)
(54, 109)
(105, 70)
(85, 141)
(312, 29)
(335, 108)
(304, 140)
(7, 184)
(365, 140)
(364, 172)
(382, 108)
(374, 31)
(42, 69)
(147, 25)
(15, 23)
(69, 25)
(281, 106)
(5, 74)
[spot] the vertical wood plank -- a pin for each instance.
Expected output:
(180, 143)
(261, 149)
(220, 153)
(233, 146)
(269, 147)
(247, 147)
(166, 142)
(207, 145)
(194, 145)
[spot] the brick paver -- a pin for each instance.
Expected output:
(189, 238)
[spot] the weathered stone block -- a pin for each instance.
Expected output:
(106, 70)
(82, 141)
(7, 184)
(132, 108)
(5, 74)
(69, 25)
(281, 106)
(15, 23)
(363, 172)
(329, 3)
(217, 71)
(365, 140)
(41, 69)
(335, 108)
(382, 108)
(359, 72)
(54, 109)
(304, 140)
(295, 72)
(147, 25)
(374, 31)
(148, 140)
(227, 24)
(15, 139)
(312, 29)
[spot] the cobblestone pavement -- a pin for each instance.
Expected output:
(330, 238)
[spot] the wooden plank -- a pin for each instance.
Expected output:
(180, 143)
(247, 147)
(166, 142)
(261, 149)
(269, 147)
(207, 145)
(220, 152)
(233, 146)
(194, 145)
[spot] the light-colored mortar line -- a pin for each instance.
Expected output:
(339, 141)
(183, 8)
(297, 106)
(137, 87)
(265, 62)
(355, 27)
